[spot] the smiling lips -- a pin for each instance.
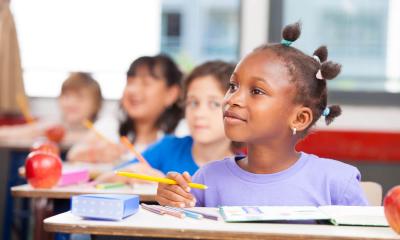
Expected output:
(233, 116)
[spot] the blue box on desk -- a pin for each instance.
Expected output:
(105, 206)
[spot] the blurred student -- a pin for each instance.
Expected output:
(80, 99)
(149, 109)
(203, 93)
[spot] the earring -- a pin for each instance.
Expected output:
(294, 131)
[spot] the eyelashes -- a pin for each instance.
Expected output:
(253, 91)
(232, 87)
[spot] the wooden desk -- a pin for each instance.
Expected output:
(146, 224)
(147, 192)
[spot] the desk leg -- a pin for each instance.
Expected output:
(42, 208)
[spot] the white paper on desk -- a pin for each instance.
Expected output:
(271, 213)
(356, 215)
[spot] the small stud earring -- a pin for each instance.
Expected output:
(294, 131)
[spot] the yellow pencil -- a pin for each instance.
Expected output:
(89, 125)
(158, 179)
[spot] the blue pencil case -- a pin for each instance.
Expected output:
(105, 206)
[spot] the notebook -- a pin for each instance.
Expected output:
(337, 215)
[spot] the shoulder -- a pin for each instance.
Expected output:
(214, 168)
(174, 140)
(343, 180)
(330, 167)
(170, 144)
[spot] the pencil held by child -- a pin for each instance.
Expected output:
(159, 180)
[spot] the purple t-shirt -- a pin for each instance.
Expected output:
(311, 181)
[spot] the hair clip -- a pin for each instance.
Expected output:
(286, 42)
(326, 111)
(316, 58)
(319, 75)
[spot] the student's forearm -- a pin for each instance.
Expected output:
(81, 154)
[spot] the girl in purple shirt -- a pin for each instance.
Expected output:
(276, 95)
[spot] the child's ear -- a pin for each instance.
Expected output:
(301, 118)
(172, 95)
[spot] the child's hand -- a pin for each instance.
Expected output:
(176, 195)
(106, 152)
(110, 177)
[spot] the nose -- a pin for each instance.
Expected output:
(236, 98)
(134, 86)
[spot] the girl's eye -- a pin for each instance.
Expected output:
(192, 104)
(232, 87)
(257, 91)
(214, 105)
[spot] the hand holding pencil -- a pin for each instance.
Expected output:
(172, 191)
(177, 195)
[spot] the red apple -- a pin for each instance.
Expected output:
(43, 169)
(46, 146)
(392, 208)
(55, 133)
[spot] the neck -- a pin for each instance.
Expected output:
(206, 152)
(145, 132)
(270, 158)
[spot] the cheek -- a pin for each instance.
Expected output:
(217, 118)
(65, 102)
(274, 116)
(62, 104)
(124, 100)
(189, 118)
(88, 107)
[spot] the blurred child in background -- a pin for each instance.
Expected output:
(203, 93)
(80, 99)
(149, 108)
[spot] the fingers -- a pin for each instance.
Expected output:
(187, 177)
(177, 195)
(174, 195)
(180, 180)
(166, 202)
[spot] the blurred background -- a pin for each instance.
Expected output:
(103, 37)
(56, 37)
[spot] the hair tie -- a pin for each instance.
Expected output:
(286, 42)
(326, 111)
(316, 58)
(319, 75)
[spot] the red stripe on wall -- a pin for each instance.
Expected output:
(353, 145)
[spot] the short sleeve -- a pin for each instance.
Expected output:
(353, 194)
(153, 154)
(198, 177)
